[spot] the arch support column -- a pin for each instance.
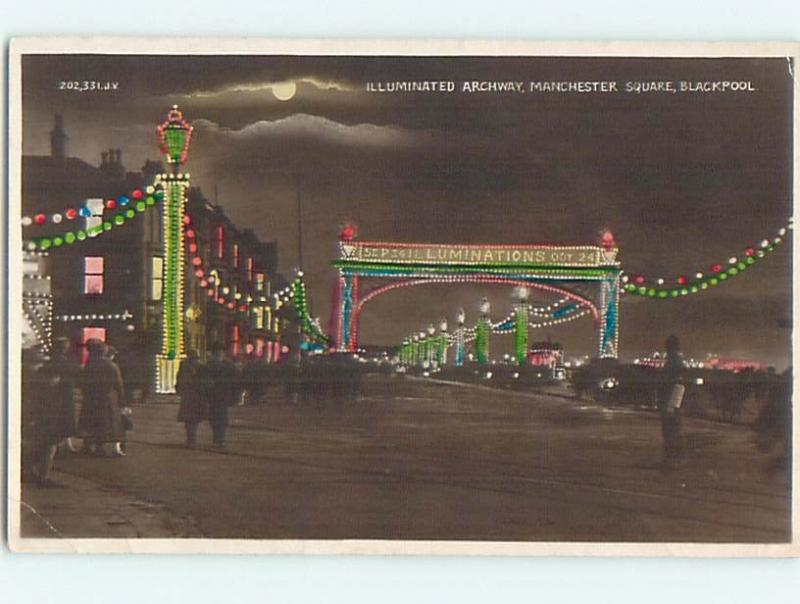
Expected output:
(347, 317)
(609, 317)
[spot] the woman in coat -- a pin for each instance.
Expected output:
(103, 394)
(194, 404)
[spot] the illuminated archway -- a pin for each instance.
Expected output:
(565, 270)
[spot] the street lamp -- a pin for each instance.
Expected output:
(431, 344)
(459, 335)
(174, 137)
(441, 354)
(521, 324)
(482, 331)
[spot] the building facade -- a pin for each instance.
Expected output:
(110, 286)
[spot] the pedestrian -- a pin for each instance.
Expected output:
(773, 425)
(103, 392)
(59, 400)
(124, 408)
(670, 399)
(223, 383)
(191, 388)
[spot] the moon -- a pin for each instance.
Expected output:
(284, 91)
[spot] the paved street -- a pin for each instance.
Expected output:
(420, 459)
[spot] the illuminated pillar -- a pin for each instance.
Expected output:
(459, 336)
(431, 345)
(521, 326)
(174, 137)
(609, 316)
(441, 353)
(346, 322)
(482, 331)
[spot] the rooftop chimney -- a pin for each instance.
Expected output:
(58, 139)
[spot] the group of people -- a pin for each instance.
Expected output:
(66, 400)
(206, 391)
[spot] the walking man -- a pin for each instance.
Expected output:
(223, 384)
(670, 399)
(192, 390)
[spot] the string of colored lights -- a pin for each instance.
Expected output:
(85, 211)
(504, 327)
(34, 319)
(118, 219)
(123, 316)
(639, 285)
(237, 302)
(294, 293)
(310, 328)
(567, 319)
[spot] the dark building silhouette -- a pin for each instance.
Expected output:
(111, 286)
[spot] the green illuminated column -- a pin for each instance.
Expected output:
(521, 326)
(482, 331)
(174, 137)
(441, 353)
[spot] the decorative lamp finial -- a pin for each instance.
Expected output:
(174, 136)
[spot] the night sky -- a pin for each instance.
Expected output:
(682, 180)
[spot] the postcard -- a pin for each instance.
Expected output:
(410, 297)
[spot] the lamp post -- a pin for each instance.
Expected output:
(521, 325)
(482, 331)
(174, 135)
(460, 318)
(441, 356)
(415, 358)
(430, 352)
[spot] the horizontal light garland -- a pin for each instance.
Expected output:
(450, 272)
(70, 237)
(84, 211)
(567, 319)
(123, 316)
(638, 284)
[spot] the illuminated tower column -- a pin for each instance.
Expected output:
(174, 137)
(521, 326)
(441, 353)
(459, 336)
(482, 331)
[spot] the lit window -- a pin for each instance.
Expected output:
(251, 265)
(258, 315)
(95, 218)
(259, 281)
(259, 347)
(93, 275)
(235, 255)
(219, 240)
(90, 333)
(156, 277)
(235, 340)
